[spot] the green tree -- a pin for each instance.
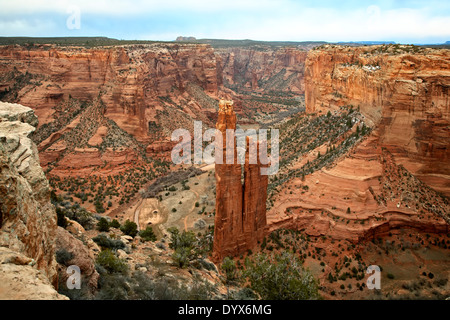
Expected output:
(108, 260)
(281, 277)
(129, 228)
(229, 267)
(148, 234)
(103, 225)
(181, 256)
(185, 245)
(99, 206)
(115, 224)
(106, 243)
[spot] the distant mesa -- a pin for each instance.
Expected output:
(369, 43)
(185, 39)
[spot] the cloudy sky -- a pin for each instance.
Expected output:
(413, 21)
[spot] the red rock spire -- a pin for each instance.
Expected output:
(240, 210)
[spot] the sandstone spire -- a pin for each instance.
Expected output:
(240, 209)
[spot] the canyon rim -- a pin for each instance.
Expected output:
(334, 182)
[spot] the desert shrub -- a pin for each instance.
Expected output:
(200, 290)
(229, 267)
(183, 239)
(185, 245)
(82, 216)
(148, 234)
(129, 228)
(181, 257)
(244, 294)
(114, 224)
(280, 277)
(264, 243)
(63, 256)
(99, 207)
(106, 243)
(110, 262)
(113, 287)
(103, 225)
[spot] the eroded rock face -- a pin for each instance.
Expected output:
(400, 89)
(28, 219)
(390, 180)
(21, 281)
(363, 196)
(82, 257)
(263, 69)
(240, 219)
(108, 104)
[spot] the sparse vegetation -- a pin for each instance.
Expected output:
(129, 228)
(147, 234)
(280, 277)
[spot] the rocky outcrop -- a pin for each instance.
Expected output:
(81, 256)
(262, 68)
(401, 90)
(240, 219)
(21, 281)
(91, 101)
(101, 98)
(28, 219)
(363, 196)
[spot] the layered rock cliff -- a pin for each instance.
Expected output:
(401, 90)
(27, 217)
(394, 177)
(263, 69)
(91, 101)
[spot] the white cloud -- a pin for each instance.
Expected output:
(333, 25)
(136, 7)
(25, 27)
(236, 19)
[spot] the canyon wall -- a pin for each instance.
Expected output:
(27, 217)
(401, 90)
(397, 176)
(123, 102)
(86, 97)
(240, 219)
(262, 69)
(129, 79)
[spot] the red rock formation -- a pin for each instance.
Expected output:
(240, 219)
(263, 68)
(146, 90)
(401, 90)
(255, 196)
(28, 218)
(384, 182)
